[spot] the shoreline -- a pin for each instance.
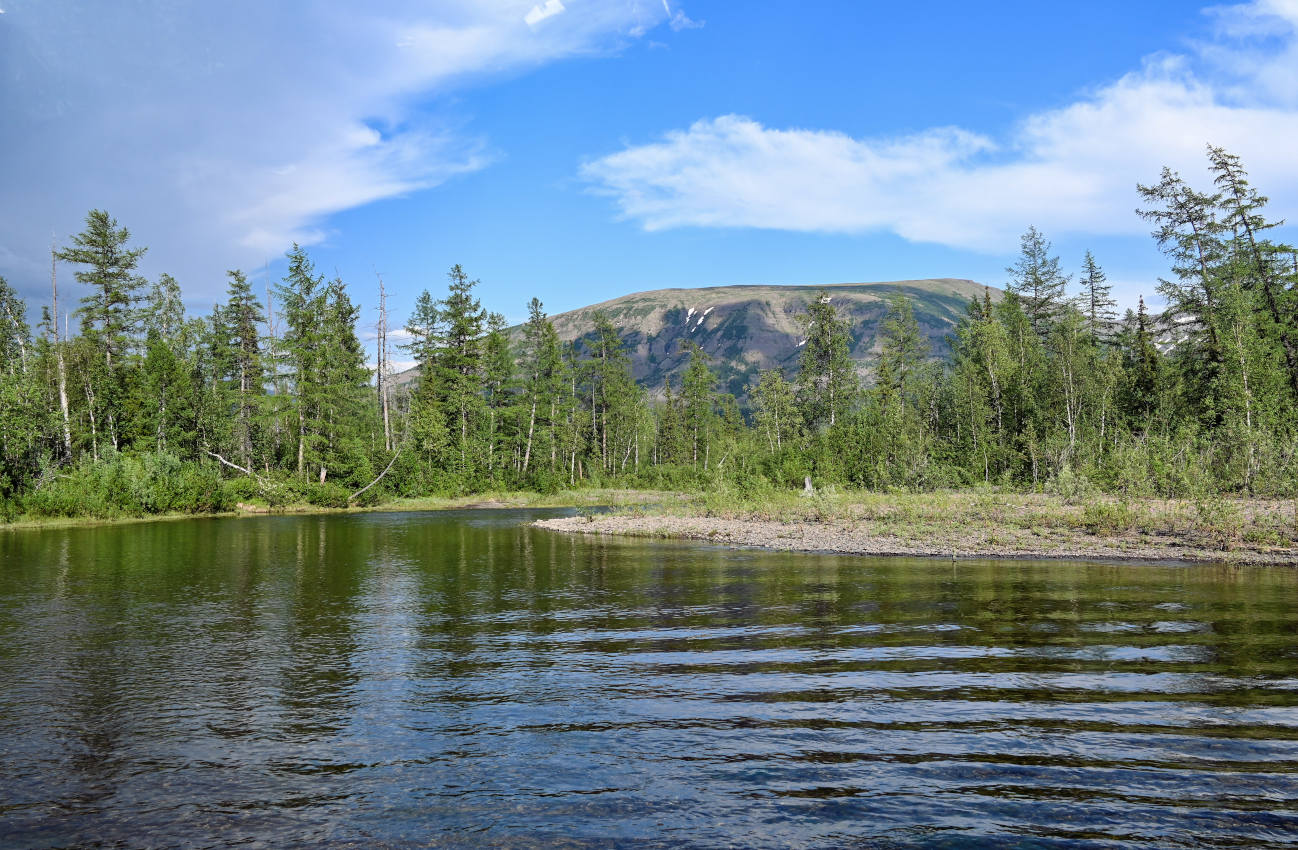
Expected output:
(960, 536)
(481, 501)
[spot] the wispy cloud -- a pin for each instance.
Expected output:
(1067, 170)
(678, 20)
(539, 13)
(221, 132)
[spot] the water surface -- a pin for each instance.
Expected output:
(460, 679)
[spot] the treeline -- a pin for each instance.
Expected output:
(270, 397)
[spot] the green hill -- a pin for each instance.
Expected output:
(745, 329)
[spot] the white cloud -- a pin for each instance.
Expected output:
(540, 13)
(678, 20)
(1067, 170)
(219, 133)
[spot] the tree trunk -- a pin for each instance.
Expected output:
(531, 424)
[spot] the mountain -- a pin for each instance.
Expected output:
(745, 329)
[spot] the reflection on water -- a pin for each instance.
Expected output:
(460, 679)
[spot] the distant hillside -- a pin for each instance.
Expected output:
(749, 328)
(746, 329)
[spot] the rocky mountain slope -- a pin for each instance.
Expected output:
(745, 329)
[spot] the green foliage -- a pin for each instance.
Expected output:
(327, 495)
(1103, 516)
(827, 381)
(124, 485)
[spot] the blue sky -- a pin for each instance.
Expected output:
(577, 151)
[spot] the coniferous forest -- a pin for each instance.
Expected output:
(135, 407)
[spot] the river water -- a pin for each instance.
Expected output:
(460, 679)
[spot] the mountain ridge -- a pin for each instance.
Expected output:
(746, 328)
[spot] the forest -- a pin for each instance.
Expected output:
(144, 409)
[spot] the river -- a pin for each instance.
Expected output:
(458, 679)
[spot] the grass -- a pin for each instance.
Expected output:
(1216, 523)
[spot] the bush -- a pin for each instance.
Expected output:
(1070, 486)
(327, 495)
(131, 485)
(243, 489)
(1107, 517)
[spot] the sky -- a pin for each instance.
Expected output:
(578, 150)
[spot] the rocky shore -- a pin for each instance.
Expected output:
(967, 541)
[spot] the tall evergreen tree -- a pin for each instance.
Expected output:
(1257, 263)
(1035, 277)
(1096, 303)
(1189, 232)
(422, 326)
(108, 313)
(302, 303)
(347, 426)
(246, 371)
(458, 364)
(544, 378)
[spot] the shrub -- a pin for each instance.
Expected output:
(243, 489)
(1101, 517)
(131, 485)
(327, 495)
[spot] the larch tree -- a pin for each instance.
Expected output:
(1036, 278)
(827, 380)
(1095, 300)
(698, 392)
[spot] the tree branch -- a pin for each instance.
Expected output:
(265, 485)
(353, 496)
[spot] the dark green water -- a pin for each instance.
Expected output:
(459, 679)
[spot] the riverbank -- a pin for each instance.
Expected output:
(595, 497)
(971, 525)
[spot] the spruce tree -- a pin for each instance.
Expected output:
(458, 364)
(612, 394)
(1143, 365)
(109, 317)
(422, 326)
(108, 313)
(242, 317)
(347, 420)
(302, 306)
